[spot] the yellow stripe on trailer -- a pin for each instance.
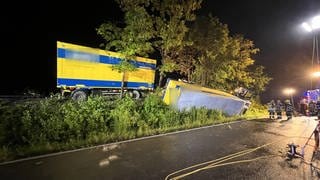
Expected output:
(72, 69)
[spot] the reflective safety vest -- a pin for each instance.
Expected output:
(289, 108)
(271, 107)
(278, 107)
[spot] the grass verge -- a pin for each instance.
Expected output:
(50, 125)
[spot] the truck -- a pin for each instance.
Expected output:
(312, 95)
(308, 102)
(82, 71)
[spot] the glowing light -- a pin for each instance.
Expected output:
(316, 74)
(307, 27)
(315, 22)
(289, 91)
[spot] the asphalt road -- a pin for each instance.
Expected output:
(157, 157)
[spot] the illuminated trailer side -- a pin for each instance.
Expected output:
(83, 70)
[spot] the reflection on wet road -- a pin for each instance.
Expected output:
(158, 157)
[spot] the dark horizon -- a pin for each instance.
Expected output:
(30, 32)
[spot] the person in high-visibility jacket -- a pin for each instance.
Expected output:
(318, 109)
(271, 109)
(312, 108)
(279, 107)
(288, 109)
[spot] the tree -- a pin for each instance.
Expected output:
(224, 62)
(169, 19)
(171, 27)
(260, 80)
(131, 40)
(184, 60)
(210, 39)
(205, 53)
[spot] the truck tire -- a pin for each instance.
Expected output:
(136, 94)
(79, 95)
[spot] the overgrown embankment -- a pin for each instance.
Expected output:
(50, 125)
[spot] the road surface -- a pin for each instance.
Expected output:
(157, 157)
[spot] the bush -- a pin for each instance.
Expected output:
(154, 112)
(10, 124)
(256, 110)
(52, 124)
(53, 120)
(125, 117)
(86, 118)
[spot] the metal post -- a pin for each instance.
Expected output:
(313, 54)
(292, 100)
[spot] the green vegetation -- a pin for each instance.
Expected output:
(50, 125)
(256, 110)
(199, 49)
(151, 25)
(132, 40)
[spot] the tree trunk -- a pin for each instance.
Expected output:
(202, 79)
(160, 80)
(122, 85)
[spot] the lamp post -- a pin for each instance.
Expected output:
(316, 74)
(289, 92)
(313, 26)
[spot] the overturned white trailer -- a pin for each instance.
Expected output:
(185, 96)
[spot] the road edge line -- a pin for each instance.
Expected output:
(114, 143)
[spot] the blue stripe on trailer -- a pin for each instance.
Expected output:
(100, 83)
(89, 57)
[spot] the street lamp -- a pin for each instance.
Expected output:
(289, 92)
(315, 22)
(316, 74)
(313, 26)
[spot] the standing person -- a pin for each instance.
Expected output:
(271, 109)
(279, 107)
(316, 137)
(312, 108)
(318, 108)
(303, 106)
(288, 109)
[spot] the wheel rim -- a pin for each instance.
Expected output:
(79, 96)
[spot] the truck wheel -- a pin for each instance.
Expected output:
(79, 95)
(136, 94)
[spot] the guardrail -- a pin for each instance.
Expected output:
(19, 97)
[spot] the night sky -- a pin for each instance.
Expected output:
(29, 32)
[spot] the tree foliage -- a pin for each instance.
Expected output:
(205, 52)
(131, 40)
(159, 24)
(223, 61)
(210, 39)
(134, 38)
(171, 27)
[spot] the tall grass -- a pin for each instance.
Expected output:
(54, 124)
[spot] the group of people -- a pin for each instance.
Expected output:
(275, 109)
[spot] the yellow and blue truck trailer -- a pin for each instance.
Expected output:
(82, 71)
